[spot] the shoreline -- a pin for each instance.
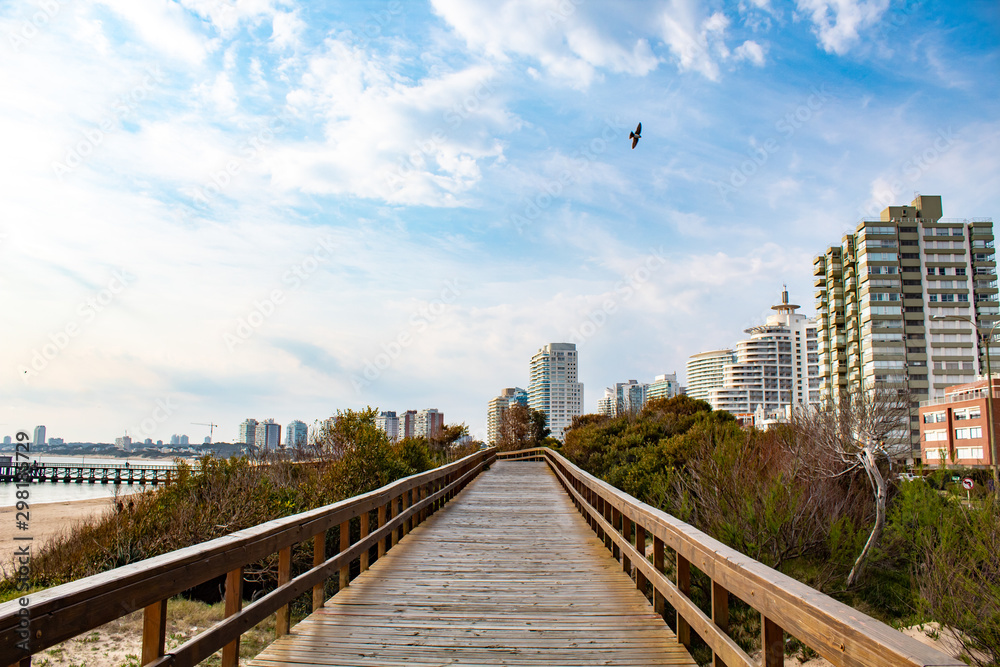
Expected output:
(47, 520)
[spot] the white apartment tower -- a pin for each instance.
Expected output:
(268, 435)
(705, 372)
(907, 300)
(553, 388)
(39, 439)
(663, 386)
(248, 432)
(777, 367)
(296, 434)
(429, 423)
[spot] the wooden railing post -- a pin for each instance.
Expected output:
(345, 542)
(381, 522)
(234, 602)
(772, 643)
(616, 519)
(283, 623)
(154, 631)
(640, 546)
(659, 601)
(684, 586)
(720, 615)
(364, 534)
(319, 557)
(627, 533)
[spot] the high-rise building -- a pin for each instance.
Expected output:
(408, 424)
(39, 440)
(625, 398)
(429, 423)
(498, 406)
(6, 440)
(705, 372)
(268, 436)
(296, 434)
(553, 388)
(124, 443)
(248, 432)
(896, 300)
(389, 422)
(664, 386)
(185, 441)
(777, 367)
(56, 442)
(175, 439)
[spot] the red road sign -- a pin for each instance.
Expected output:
(967, 483)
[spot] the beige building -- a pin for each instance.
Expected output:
(896, 302)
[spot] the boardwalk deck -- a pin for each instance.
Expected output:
(508, 573)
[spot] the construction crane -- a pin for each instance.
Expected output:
(211, 428)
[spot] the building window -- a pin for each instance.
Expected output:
(968, 433)
(935, 436)
(933, 417)
(969, 452)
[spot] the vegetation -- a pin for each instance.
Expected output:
(803, 498)
(522, 427)
(351, 456)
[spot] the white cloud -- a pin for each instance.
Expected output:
(839, 22)
(573, 42)
(697, 43)
(287, 27)
(750, 50)
(164, 26)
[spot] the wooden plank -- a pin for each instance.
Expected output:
(154, 631)
(319, 555)
(494, 577)
(720, 616)
(772, 643)
(283, 622)
(234, 602)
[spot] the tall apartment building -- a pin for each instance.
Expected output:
(664, 386)
(429, 423)
(553, 387)
(896, 300)
(625, 398)
(705, 372)
(268, 435)
(408, 424)
(388, 422)
(296, 434)
(498, 406)
(248, 432)
(39, 439)
(777, 367)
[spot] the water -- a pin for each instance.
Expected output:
(58, 492)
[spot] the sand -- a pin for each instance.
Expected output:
(46, 520)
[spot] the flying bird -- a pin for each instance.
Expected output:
(635, 136)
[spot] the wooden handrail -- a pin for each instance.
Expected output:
(62, 612)
(839, 633)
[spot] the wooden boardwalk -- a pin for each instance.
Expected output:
(507, 573)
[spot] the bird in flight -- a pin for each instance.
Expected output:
(635, 136)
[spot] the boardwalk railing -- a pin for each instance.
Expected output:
(839, 633)
(90, 473)
(385, 516)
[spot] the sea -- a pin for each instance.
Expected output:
(59, 492)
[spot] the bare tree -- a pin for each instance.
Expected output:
(868, 430)
(521, 428)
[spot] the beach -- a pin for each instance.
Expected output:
(46, 520)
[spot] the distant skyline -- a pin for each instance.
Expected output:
(272, 208)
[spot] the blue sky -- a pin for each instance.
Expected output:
(222, 209)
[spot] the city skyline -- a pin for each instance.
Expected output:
(216, 210)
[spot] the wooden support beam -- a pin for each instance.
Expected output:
(772, 643)
(345, 542)
(659, 601)
(684, 586)
(627, 533)
(616, 521)
(154, 631)
(720, 615)
(234, 603)
(283, 623)
(319, 557)
(640, 546)
(382, 510)
(365, 519)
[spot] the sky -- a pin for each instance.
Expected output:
(221, 209)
